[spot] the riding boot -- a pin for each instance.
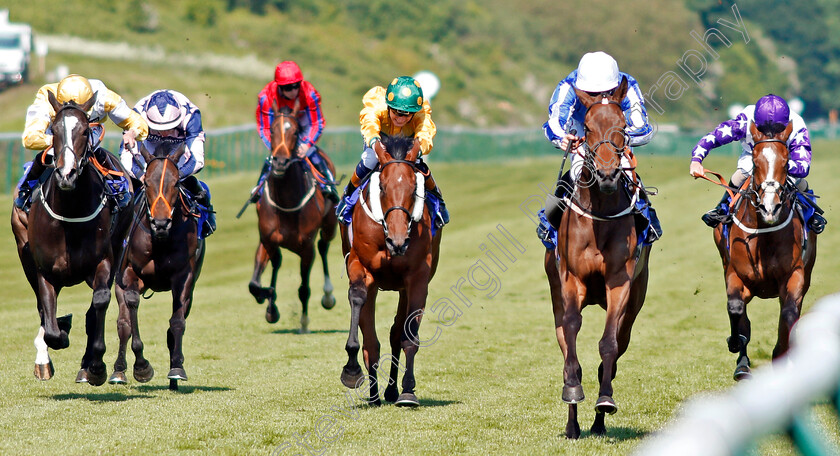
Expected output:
(718, 214)
(817, 222)
(554, 204)
(346, 203)
(256, 192)
(29, 182)
(655, 229)
(329, 180)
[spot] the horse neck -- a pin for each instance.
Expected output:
(85, 197)
(290, 188)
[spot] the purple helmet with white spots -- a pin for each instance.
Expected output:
(771, 110)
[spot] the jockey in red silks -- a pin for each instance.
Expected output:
(771, 115)
(287, 88)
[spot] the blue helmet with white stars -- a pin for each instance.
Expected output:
(162, 111)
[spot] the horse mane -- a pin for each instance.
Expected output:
(397, 146)
(771, 129)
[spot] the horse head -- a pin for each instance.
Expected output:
(398, 187)
(770, 158)
(284, 137)
(162, 185)
(605, 139)
(70, 131)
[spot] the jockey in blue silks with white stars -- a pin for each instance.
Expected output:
(597, 73)
(771, 115)
(173, 117)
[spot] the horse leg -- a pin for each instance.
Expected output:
(790, 301)
(328, 300)
(737, 298)
(124, 333)
(93, 370)
(391, 391)
(567, 328)
(261, 259)
(617, 301)
(181, 302)
(360, 280)
(370, 344)
(416, 291)
(307, 257)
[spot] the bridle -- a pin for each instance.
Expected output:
(82, 159)
(764, 187)
(591, 150)
(376, 213)
(293, 159)
(160, 198)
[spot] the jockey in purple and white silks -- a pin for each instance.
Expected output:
(172, 117)
(596, 73)
(771, 114)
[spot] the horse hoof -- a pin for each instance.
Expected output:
(391, 394)
(606, 405)
(573, 394)
(44, 372)
(272, 315)
(177, 374)
(82, 376)
(143, 374)
(97, 377)
(328, 302)
(118, 378)
(350, 376)
(407, 400)
(742, 373)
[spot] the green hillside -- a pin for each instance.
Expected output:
(498, 61)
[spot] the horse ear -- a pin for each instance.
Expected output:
(412, 154)
(586, 99)
(274, 107)
(785, 134)
(621, 91)
(89, 104)
(180, 152)
(144, 152)
(53, 101)
(296, 109)
(756, 135)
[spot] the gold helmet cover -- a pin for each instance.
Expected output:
(74, 88)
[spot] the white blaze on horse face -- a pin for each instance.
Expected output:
(770, 183)
(287, 125)
(69, 157)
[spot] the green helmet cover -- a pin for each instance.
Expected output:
(404, 94)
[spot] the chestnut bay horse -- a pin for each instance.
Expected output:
(597, 259)
(291, 212)
(389, 250)
(72, 234)
(767, 252)
(163, 253)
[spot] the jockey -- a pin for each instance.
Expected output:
(771, 115)
(287, 88)
(398, 110)
(597, 73)
(37, 134)
(172, 117)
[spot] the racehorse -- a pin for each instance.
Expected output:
(389, 250)
(163, 253)
(598, 259)
(291, 211)
(767, 252)
(72, 234)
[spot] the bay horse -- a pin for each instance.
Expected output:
(768, 253)
(72, 234)
(389, 250)
(164, 253)
(291, 211)
(597, 259)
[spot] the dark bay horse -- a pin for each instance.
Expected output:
(767, 253)
(291, 212)
(163, 253)
(72, 234)
(390, 249)
(597, 259)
